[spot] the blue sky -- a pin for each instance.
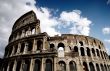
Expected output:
(83, 17)
(98, 11)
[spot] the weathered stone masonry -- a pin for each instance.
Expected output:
(30, 50)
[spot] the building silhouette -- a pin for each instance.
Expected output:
(30, 50)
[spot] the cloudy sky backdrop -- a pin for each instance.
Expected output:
(85, 17)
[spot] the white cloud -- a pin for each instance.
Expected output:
(107, 40)
(79, 24)
(106, 30)
(11, 10)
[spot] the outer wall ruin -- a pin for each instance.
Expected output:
(30, 50)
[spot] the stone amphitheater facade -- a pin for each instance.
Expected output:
(30, 50)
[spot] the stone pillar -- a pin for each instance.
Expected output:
(43, 43)
(42, 65)
(34, 45)
(13, 51)
(88, 66)
(54, 64)
(14, 66)
(19, 46)
(29, 31)
(100, 67)
(85, 51)
(92, 54)
(95, 67)
(67, 67)
(36, 29)
(31, 64)
(8, 67)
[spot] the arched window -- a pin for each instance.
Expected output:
(48, 66)
(22, 47)
(97, 52)
(30, 45)
(72, 66)
(11, 66)
(105, 67)
(60, 50)
(97, 67)
(62, 66)
(15, 49)
(52, 47)
(18, 66)
(81, 43)
(75, 48)
(33, 31)
(37, 65)
(39, 45)
(61, 45)
(102, 67)
(91, 66)
(82, 51)
(85, 67)
(26, 65)
(10, 51)
(88, 52)
(93, 51)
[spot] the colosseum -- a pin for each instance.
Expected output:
(29, 49)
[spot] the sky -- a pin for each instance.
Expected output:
(83, 17)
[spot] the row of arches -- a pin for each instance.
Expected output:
(24, 47)
(87, 51)
(48, 65)
(99, 67)
(22, 33)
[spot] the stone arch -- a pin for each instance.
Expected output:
(15, 49)
(26, 65)
(81, 43)
(52, 46)
(22, 47)
(49, 65)
(88, 52)
(82, 51)
(85, 67)
(105, 67)
(97, 52)
(33, 30)
(91, 66)
(61, 45)
(37, 65)
(18, 66)
(97, 67)
(75, 48)
(11, 66)
(30, 45)
(10, 51)
(93, 51)
(102, 67)
(39, 45)
(72, 66)
(62, 66)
